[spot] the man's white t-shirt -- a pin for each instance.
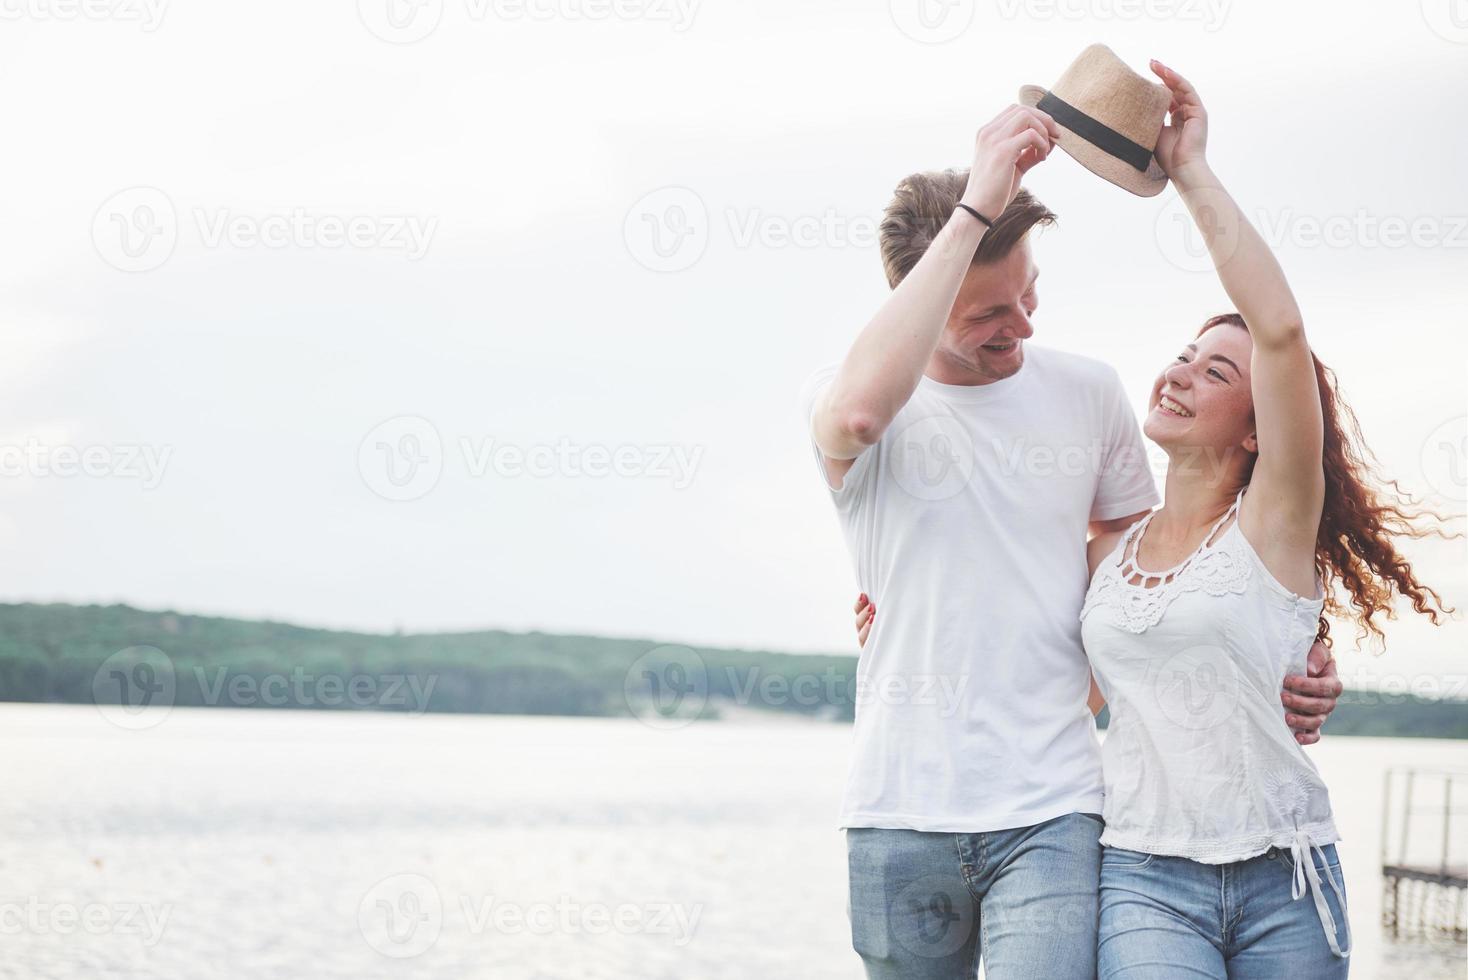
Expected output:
(967, 525)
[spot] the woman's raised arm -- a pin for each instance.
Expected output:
(1288, 479)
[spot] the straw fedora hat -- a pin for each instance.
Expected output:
(1109, 118)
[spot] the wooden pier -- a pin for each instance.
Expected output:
(1425, 877)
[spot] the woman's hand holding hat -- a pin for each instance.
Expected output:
(1183, 141)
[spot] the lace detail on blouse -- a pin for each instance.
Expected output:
(1123, 586)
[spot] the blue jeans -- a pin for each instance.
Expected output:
(1164, 918)
(926, 906)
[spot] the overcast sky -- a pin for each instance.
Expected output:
(468, 314)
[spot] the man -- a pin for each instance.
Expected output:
(967, 469)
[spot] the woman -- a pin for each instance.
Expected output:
(1216, 821)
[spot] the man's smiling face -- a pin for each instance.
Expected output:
(983, 340)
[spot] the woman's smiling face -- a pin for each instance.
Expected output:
(1203, 400)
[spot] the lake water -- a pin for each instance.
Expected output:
(234, 843)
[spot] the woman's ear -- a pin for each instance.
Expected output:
(1251, 443)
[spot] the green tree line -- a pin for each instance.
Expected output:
(121, 655)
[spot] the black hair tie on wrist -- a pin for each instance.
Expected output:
(985, 221)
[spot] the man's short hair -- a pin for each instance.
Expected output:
(922, 205)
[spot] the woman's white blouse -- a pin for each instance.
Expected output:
(1198, 760)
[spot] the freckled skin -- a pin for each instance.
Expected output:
(1222, 403)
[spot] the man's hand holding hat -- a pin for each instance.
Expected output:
(1004, 150)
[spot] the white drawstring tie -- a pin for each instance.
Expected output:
(1301, 850)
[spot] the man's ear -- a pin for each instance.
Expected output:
(1251, 443)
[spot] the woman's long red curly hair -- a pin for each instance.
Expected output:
(1363, 512)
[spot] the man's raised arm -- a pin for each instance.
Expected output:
(885, 364)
